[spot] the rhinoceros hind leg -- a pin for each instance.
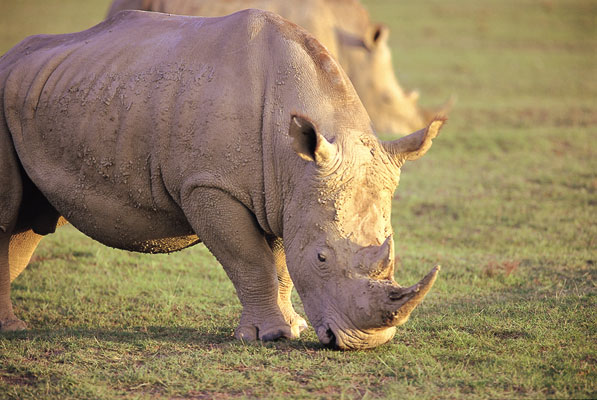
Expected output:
(36, 218)
(12, 325)
(20, 249)
(17, 246)
(230, 231)
(21, 246)
(8, 320)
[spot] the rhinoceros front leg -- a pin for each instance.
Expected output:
(285, 286)
(230, 231)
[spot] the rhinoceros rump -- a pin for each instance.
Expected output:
(344, 27)
(151, 132)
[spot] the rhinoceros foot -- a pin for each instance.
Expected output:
(11, 325)
(251, 333)
(298, 325)
(268, 331)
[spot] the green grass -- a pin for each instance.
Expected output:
(505, 200)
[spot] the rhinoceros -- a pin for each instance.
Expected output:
(344, 27)
(151, 133)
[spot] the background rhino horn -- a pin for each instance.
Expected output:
(416, 144)
(407, 299)
(429, 114)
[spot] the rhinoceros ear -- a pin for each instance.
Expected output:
(416, 144)
(375, 35)
(309, 144)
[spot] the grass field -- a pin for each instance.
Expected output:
(505, 201)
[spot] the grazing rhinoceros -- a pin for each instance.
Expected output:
(151, 132)
(344, 27)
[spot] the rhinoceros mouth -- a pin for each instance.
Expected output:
(337, 338)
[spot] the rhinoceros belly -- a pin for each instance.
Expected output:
(114, 196)
(112, 219)
(98, 159)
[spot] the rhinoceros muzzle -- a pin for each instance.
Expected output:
(390, 306)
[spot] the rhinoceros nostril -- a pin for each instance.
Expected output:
(396, 295)
(330, 334)
(327, 337)
(333, 344)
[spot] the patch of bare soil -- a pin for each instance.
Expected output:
(506, 268)
(21, 380)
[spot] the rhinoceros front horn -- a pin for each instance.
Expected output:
(416, 144)
(402, 301)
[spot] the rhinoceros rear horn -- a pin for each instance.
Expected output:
(416, 144)
(309, 144)
(378, 261)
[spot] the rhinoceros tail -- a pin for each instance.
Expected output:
(11, 187)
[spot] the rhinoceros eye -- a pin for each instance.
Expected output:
(321, 257)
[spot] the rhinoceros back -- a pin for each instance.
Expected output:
(108, 122)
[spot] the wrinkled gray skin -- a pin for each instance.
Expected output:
(344, 27)
(151, 133)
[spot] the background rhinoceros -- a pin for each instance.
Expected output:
(344, 27)
(151, 132)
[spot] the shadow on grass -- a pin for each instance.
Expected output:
(176, 335)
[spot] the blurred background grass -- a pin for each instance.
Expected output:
(505, 200)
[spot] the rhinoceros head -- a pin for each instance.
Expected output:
(368, 63)
(338, 234)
